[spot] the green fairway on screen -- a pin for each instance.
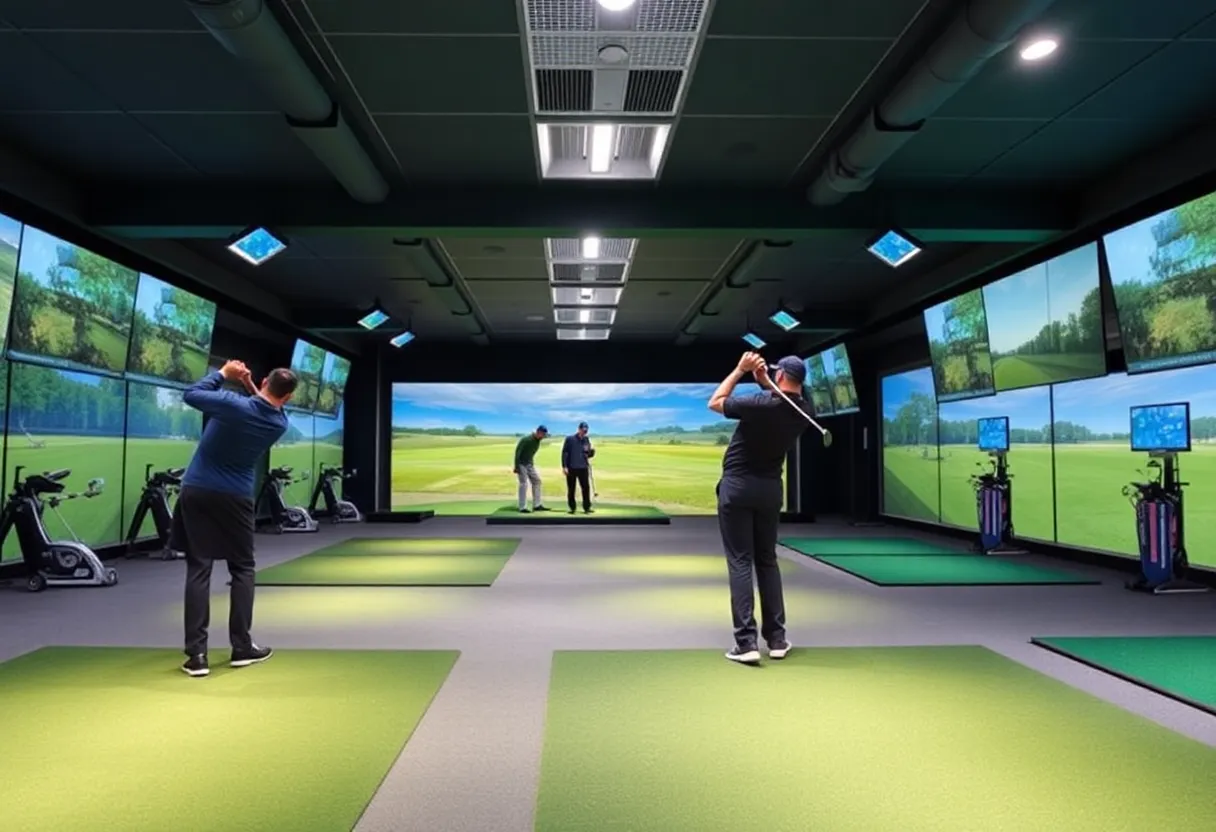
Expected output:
(655, 445)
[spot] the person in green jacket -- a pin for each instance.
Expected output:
(525, 470)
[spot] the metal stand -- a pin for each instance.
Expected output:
(1002, 480)
(1168, 488)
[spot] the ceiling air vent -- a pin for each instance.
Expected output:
(653, 90)
(564, 90)
(573, 316)
(585, 334)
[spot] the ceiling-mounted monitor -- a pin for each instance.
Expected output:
(840, 379)
(816, 387)
(333, 384)
(958, 348)
(170, 335)
(307, 361)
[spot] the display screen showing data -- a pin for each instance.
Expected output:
(958, 348)
(993, 433)
(1161, 427)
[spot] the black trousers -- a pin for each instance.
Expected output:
(583, 477)
(210, 526)
(749, 511)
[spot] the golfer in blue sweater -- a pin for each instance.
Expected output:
(576, 451)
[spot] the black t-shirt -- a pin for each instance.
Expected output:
(768, 429)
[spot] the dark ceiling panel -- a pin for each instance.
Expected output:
(1162, 88)
(1010, 88)
(956, 147)
(757, 151)
(1205, 30)
(129, 14)
(173, 72)
(775, 77)
(421, 17)
(504, 268)
(436, 75)
(484, 149)
(45, 85)
(507, 247)
(349, 246)
(650, 270)
(682, 248)
(1131, 19)
(803, 19)
(94, 146)
(258, 147)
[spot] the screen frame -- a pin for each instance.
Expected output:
(987, 340)
(1131, 433)
(1004, 420)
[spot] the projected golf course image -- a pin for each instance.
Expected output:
(10, 239)
(656, 445)
(162, 432)
(1089, 441)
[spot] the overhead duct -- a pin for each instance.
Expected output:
(981, 30)
(430, 264)
(749, 269)
(249, 30)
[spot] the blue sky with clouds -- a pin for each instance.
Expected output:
(1020, 305)
(10, 231)
(1029, 408)
(1128, 251)
(898, 388)
(610, 409)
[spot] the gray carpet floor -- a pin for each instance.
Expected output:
(474, 761)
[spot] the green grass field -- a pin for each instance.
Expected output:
(1015, 371)
(56, 326)
(430, 471)
(1090, 509)
(299, 457)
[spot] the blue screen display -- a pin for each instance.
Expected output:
(258, 246)
(402, 339)
(1161, 427)
(755, 340)
(993, 433)
(373, 319)
(784, 320)
(894, 249)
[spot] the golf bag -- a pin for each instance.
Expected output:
(1157, 519)
(992, 504)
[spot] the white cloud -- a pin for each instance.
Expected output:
(502, 398)
(615, 421)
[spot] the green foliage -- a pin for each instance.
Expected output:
(1078, 333)
(961, 360)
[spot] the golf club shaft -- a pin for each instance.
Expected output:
(822, 430)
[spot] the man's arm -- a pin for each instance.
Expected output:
(205, 395)
(566, 454)
(748, 363)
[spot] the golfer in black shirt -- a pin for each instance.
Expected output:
(750, 497)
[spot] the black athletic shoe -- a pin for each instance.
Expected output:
(541, 508)
(749, 655)
(196, 665)
(779, 649)
(572, 511)
(254, 655)
(588, 511)
(524, 511)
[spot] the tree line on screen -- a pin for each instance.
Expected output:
(149, 418)
(1176, 312)
(44, 399)
(181, 321)
(1079, 333)
(957, 350)
(473, 430)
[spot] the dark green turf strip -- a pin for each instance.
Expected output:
(911, 739)
(1181, 667)
(948, 570)
(101, 739)
(867, 546)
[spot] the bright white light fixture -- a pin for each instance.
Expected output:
(615, 5)
(591, 248)
(584, 316)
(583, 334)
(586, 295)
(602, 138)
(1039, 49)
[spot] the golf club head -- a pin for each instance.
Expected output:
(827, 439)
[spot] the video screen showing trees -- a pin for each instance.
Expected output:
(10, 243)
(333, 384)
(307, 361)
(817, 389)
(295, 450)
(64, 419)
(71, 308)
(1045, 322)
(840, 377)
(958, 348)
(1163, 271)
(171, 333)
(910, 459)
(162, 433)
(1029, 459)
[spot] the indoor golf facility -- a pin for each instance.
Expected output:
(608, 416)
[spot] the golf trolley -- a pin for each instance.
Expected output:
(1159, 528)
(285, 518)
(158, 488)
(994, 506)
(338, 511)
(48, 562)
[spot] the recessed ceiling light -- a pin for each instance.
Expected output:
(256, 246)
(615, 5)
(603, 137)
(893, 248)
(401, 340)
(591, 248)
(373, 319)
(784, 320)
(1039, 49)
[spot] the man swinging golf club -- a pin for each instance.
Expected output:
(750, 495)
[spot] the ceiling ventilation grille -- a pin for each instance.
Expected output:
(564, 90)
(570, 250)
(587, 276)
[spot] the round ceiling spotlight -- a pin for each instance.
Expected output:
(613, 54)
(615, 5)
(1038, 49)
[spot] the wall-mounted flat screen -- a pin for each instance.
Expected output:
(171, 333)
(958, 348)
(333, 384)
(1045, 322)
(72, 308)
(992, 433)
(840, 379)
(1159, 428)
(307, 360)
(817, 389)
(1163, 272)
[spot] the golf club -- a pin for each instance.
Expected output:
(827, 434)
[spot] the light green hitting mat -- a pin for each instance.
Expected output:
(912, 739)
(118, 739)
(422, 546)
(948, 570)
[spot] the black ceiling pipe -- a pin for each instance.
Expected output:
(440, 276)
(250, 32)
(744, 273)
(981, 30)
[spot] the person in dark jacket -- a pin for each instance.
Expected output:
(214, 516)
(576, 451)
(750, 497)
(525, 469)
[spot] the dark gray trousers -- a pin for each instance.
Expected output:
(749, 511)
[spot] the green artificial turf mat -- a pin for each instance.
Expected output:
(866, 546)
(422, 546)
(866, 740)
(385, 570)
(1182, 667)
(948, 570)
(511, 514)
(128, 742)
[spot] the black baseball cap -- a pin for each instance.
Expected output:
(541, 429)
(793, 367)
(583, 426)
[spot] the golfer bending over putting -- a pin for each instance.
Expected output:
(214, 516)
(525, 469)
(750, 497)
